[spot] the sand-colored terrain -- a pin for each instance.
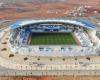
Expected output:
(52, 78)
(45, 10)
(31, 10)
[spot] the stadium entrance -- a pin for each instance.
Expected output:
(51, 27)
(51, 30)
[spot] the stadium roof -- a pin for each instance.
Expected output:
(18, 24)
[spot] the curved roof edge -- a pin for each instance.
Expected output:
(26, 22)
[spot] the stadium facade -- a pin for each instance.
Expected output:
(49, 47)
(39, 38)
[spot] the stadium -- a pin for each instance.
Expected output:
(49, 47)
(53, 38)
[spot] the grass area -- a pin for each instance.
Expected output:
(52, 39)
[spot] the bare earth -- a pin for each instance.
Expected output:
(36, 9)
(52, 78)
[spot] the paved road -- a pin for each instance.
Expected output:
(41, 72)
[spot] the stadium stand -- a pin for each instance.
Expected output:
(21, 31)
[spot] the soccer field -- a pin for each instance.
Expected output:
(52, 39)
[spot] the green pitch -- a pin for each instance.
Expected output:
(52, 39)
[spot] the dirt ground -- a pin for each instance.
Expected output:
(53, 78)
(45, 10)
(31, 10)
